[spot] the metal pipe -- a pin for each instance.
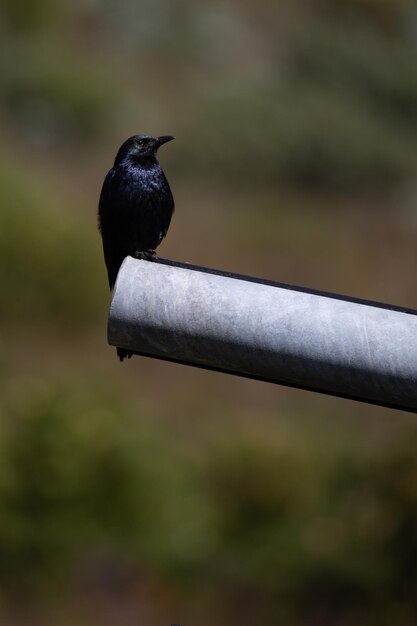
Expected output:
(270, 331)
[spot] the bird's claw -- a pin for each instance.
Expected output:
(145, 255)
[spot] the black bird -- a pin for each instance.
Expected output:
(136, 205)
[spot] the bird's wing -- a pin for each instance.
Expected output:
(109, 224)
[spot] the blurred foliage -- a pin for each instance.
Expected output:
(342, 116)
(306, 137)
(53, 96)
(29, 16)
(336, 109)
(309, 106)
(387, 15)
(41, 240)
(322, 530)
(79, 471)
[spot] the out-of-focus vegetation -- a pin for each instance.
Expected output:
(44, 255)
(150, 493)
(277, 523)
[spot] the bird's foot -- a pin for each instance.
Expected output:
(145, 255)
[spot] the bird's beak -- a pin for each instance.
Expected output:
(163, 139)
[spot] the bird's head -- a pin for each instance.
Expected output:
(141, 146)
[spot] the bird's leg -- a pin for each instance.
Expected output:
(145, 255)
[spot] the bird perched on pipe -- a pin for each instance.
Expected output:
(136, 206)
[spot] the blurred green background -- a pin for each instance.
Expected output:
(150, 493)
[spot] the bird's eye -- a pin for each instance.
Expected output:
(141, 142)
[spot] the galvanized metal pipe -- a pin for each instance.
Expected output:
(270, 331)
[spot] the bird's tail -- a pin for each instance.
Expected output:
(123, 354)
